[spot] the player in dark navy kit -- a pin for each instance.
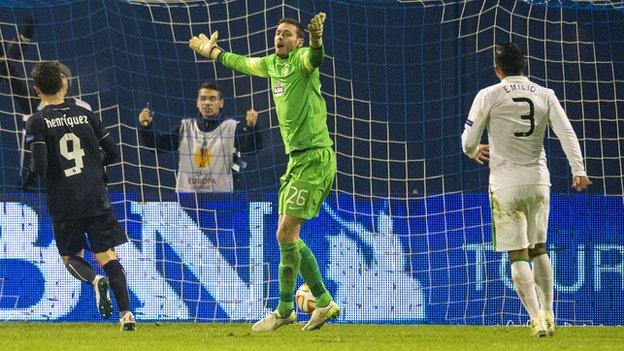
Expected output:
(69, 145)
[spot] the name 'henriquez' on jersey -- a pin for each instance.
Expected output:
(66, 121)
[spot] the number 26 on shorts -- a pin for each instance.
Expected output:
(297, 198)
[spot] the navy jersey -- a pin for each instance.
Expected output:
(75, 174)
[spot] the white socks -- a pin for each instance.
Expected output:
(543, 273)
(524, 283)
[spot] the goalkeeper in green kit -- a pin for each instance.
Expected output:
(302, 115)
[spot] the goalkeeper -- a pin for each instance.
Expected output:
(302, 116)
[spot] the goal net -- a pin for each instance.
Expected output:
(405, 235)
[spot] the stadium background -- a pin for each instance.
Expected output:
(404, 238)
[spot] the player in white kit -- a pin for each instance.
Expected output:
(517, 113)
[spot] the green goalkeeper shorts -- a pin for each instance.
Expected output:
(307, 182)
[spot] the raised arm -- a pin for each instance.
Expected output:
(161, 141)
(253, 66)
(247, 138)
(316, 53)
(208, 48)
(150, 138)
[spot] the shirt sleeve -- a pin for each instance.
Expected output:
(35, 141)
(160, 141)
(475, 124)
(35, 132)
(99, 130)
(311, 58)
(255, 66)
(567, 137)
(246, 138)
(110, 152)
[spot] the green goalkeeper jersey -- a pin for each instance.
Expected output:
(296, 87)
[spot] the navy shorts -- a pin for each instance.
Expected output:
(104, 233)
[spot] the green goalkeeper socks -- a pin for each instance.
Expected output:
(297, 257)
(312, 276)
(290, 259)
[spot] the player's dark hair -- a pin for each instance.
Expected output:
(295, 23)
(510, 59)
(210, 86)
(47, 77)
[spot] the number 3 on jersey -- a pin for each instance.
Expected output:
(75, 155)
(530, 117)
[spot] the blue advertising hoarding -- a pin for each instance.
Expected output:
(424, 260)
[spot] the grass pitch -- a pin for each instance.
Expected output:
(238, 336)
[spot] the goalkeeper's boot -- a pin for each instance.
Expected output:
(273, 321)
(127, 322)
(322, 315)
(538, 327)
(102, 296)
(549, 319)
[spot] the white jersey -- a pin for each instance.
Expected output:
(517, 113)
(206, 157)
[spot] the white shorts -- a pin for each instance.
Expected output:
(519, 216)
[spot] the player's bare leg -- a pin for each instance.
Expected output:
(82, 270)
(524, 284)
(118, 283)
(543, 273)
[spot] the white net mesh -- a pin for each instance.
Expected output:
(405, 235)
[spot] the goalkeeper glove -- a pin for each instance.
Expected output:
(316, 30)
(205, 46)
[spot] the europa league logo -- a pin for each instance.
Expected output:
(202, 157)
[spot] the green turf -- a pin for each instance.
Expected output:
(369, 337)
